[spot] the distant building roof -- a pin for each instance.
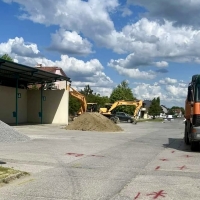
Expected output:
(52, 69)
(164, 108)
(147, 103)
(48, 69)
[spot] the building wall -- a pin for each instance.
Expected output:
(33, 106)
(61, 85)
(8, 105)
(55, 106)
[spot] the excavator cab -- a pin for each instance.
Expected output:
(92, 107)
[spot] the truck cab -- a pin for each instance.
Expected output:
(192, 114)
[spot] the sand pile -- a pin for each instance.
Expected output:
(8, 134)
(93, 122)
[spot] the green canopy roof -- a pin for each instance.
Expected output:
(26, 74)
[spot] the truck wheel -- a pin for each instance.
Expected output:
(194, 146)
(186, 139)
(129, 121)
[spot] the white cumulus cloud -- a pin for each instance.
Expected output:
(70, 43)
(181, 12)
(170, 95)
(89, 17)
(168, 81)
(161, 64)
(17, 46)
(123, 68)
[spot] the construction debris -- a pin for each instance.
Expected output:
(8, 134)
(93, 122)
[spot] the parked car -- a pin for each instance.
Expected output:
(124, 117)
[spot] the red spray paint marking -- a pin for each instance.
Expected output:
(136, 197)
(164, 159)
(173, 151)
(75, 154)
(187, 156)
(158, 167)
(155, 195)
(183, 167)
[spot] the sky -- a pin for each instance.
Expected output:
(154, 45)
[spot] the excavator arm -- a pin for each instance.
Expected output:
(138, 105)
(81, 98)
(124, 103)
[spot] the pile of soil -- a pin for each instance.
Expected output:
(93, 122)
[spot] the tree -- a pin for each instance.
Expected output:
(123, 92)
(74, 103)
(34, 87)
(155, 108)
(86, 91)
(173, 110)
(94, 97)
(7, 57)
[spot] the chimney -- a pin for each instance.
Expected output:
(39, 65)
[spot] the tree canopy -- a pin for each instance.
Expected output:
(174, 108)
(6, 57)
(155, 108)
(123, 92)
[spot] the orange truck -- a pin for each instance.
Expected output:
(192, 114)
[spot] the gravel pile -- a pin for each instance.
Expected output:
(8, 134)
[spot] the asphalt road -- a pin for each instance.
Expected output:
(146, 161)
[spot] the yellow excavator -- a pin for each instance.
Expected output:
(85, 107)
(108, 111)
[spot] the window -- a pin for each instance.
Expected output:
(189, 97)
(120, 113)
(197, 92)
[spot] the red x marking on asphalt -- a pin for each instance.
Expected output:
(136, 197)
(155, 195)
(183, 167)
(158, 167)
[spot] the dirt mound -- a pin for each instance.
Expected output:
(93, 122)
